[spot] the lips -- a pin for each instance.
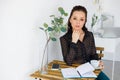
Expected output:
(77, 26)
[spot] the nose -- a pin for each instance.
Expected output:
(78, 22)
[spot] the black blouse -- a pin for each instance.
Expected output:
(79, 52)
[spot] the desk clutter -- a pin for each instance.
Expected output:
(57, 74)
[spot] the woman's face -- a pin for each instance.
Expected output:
(77, 20)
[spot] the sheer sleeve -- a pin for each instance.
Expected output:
(68, 50)
(93, 54)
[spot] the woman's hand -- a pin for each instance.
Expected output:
(101, 64)
(75, 36)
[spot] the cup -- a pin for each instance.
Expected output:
(95, 63)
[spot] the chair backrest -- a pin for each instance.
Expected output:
(100, 50)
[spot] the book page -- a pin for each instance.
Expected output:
(89, 75)
(70, 73)
(84, 68)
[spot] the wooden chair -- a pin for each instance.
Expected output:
(100, 51)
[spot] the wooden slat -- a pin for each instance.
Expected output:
(100, 53)
(100, 48)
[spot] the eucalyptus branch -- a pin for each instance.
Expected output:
(57, 25)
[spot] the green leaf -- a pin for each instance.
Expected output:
(56, 19)
(53, 38)
(56, 25)
(56, 29)
(52, 15)
(94, 20)
(65, 14)
(50, 29)
(52, 22)
(63, 29)
(96, 17)
(61, 10)
(45, 25)
(61, 20)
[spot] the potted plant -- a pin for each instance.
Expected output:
(56, 27)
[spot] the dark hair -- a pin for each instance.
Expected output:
(77, 8)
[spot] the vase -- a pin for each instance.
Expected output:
(44, 64)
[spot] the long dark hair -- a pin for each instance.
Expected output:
(77, 8)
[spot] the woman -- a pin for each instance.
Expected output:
(78, 44)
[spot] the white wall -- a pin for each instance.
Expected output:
(112, 7)
(21, 42)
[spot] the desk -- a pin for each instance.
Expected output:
(56, 74)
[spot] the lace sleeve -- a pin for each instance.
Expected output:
(93, 55)
(68, 50)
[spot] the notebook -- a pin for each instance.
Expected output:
(83, 71)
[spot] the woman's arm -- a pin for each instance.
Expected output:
(93, 55)
(68, 50)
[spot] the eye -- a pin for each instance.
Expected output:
(82, 19)
(74, 18)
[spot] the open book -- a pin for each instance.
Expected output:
(83, 71)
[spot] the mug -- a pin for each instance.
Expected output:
(95, 63)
